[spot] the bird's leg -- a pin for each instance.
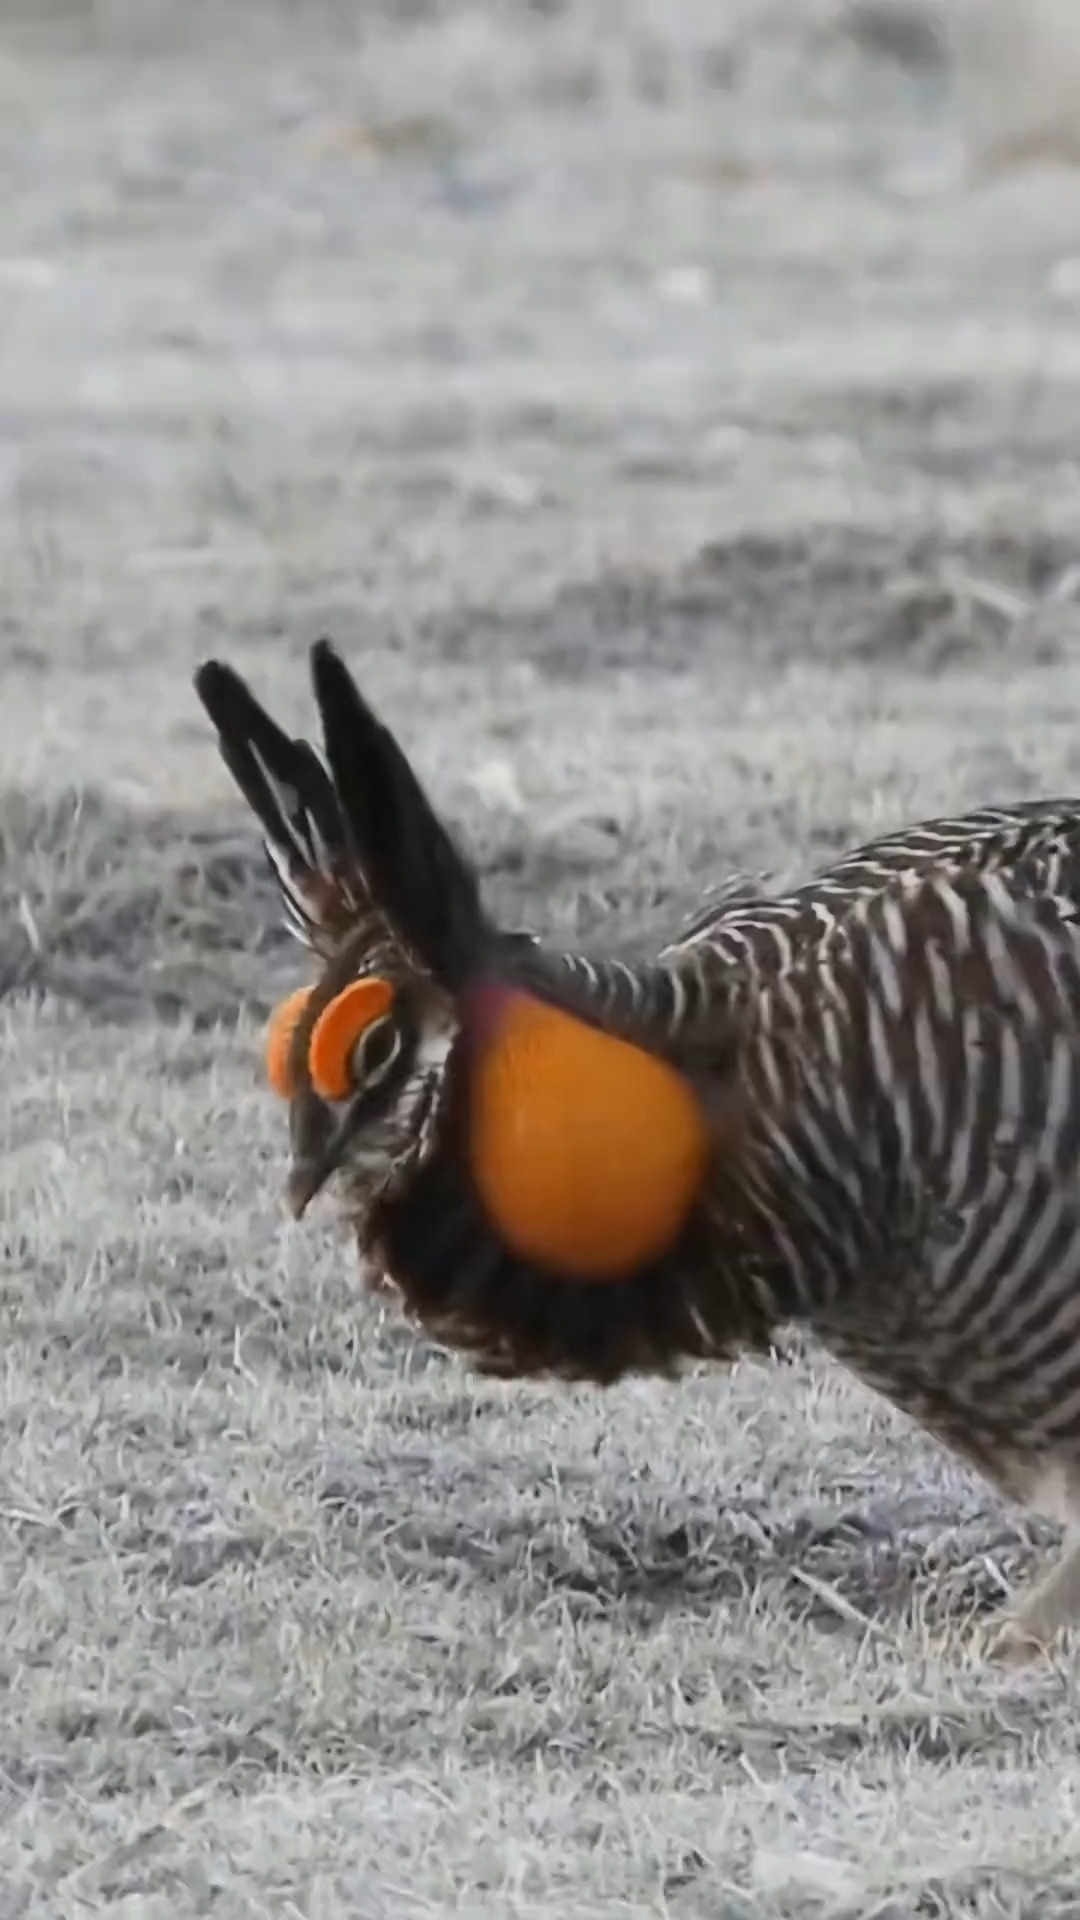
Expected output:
(1028, 1627)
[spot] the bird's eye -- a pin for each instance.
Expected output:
(375, 1052)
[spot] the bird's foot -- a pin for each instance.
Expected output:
(1011, 1643)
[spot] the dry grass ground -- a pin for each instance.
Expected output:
(683, 447)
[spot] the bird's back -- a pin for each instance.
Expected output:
(1036, 843)
(910, 1057)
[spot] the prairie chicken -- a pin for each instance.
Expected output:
(853, 1105)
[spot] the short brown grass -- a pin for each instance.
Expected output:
(692, 495)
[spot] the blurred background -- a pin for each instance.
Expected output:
(672, 409)
(670, 391)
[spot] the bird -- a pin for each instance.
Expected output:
(851, 1105)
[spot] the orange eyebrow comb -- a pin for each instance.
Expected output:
(279, 1038)
(333, 1037)
(337, 1030)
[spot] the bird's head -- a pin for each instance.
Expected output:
(361, 1061)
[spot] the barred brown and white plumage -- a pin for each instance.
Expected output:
(872, 1080)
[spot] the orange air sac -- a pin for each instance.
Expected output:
(586, 1153)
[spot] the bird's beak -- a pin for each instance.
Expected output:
(304, 1180)
(314, 1154)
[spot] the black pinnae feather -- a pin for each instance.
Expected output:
(424, 886)
(287, 788)
(283, 780)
